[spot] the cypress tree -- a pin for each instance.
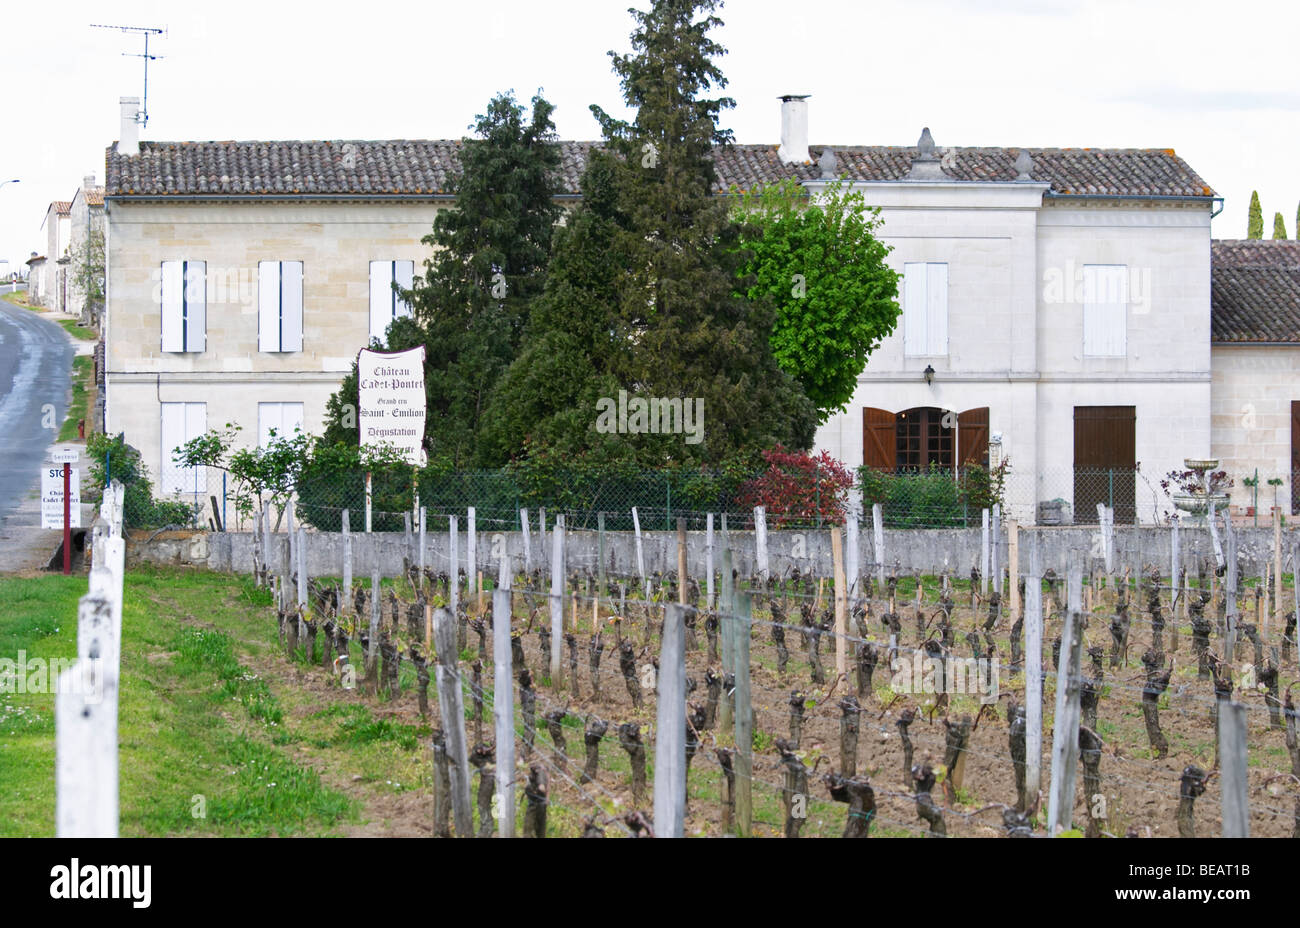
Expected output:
(1279, 226)
(1255, 218)
(667, 319)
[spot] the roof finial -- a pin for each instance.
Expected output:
(1024, 166)
(828, 164)
(926, 164)
(925, 145)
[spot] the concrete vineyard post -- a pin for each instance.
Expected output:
(670, 732)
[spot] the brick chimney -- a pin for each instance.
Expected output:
(128, 141)
(794, 129)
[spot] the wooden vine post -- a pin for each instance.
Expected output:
(557, 601)
(451, 709)
(1034, 678)
(1065, 734)
(503, 711)
(841, 604)
(744, 762)
(670, 731)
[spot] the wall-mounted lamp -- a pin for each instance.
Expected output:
(929, 374)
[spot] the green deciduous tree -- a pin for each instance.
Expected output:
(824, 270)
(649, 270)
(1254, 218)
(471, 303)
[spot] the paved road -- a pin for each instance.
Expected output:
(35, 363)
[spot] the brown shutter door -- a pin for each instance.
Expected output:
(973, 437)
(1295, 455)
(879, 441)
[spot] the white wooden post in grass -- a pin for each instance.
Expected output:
(557, 600)
(841, 603)
(995, 552)
(760, 543)
(670, 732)
(471, 557)
(503, 711)
(852, 552)
(1034, 675)
(1175, 560)
(370, 500)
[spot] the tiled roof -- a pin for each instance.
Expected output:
(94, 195)
(1255, 291)
(61, 207)
(423, 168)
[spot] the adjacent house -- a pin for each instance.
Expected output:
(57, 227)
(1059, 307)
(86, 252)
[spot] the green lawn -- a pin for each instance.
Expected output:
(199, 732)
(83, 368)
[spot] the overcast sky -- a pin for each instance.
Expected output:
(1216, 82)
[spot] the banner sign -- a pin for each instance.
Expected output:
(391, 401)
(52, 497)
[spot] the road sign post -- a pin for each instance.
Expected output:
(67, 457)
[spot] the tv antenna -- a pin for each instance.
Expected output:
(146, 31)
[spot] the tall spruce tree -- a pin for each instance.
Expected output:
(1279, 226)
(471, 303)
(1254, 218)
(655, 255)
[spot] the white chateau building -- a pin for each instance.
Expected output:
(1061, 307)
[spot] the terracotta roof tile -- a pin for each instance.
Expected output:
(1255, 291)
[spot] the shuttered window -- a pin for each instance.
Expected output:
(181, 422)
(1105, 308)
(925, 309)
(279, 306)
(385, 304)
(283, 418)
(184, 306)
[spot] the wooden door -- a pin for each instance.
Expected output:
(1105, 440)
(879, 442)
(973, 437)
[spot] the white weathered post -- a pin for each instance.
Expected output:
(841, 603)
(727, 606)
(670, 731)
(995, 552)
(85, 733)
(557, 601)
(744, 714)
(408, 544)
(1034, 675)
(422, 544)
(345, 599)
(1278, 615)
(709, 602)
(1232, 761)
(878, 540)
(1013, 567)
(760, 543)
(984, 553)
(451, 709)
(528, 545)
(302, 585)
(453, 556)
(372, 651)
(1231, 612)
(503, 710)
(471, 557)
(292, 563)
(1065, 731)
(640, 553)
(1175, 561)
(1212, 522)
(852, 551)
(541, 538)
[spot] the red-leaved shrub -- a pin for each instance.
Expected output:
(798, 488)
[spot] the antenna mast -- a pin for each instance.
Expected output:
(146, 31)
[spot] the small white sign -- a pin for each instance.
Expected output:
(52, 497)
(65, 456)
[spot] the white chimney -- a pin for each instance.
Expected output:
(128, 142)
(88, 181)
(794, 129)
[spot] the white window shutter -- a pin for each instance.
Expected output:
(290, 418)
(1105, 310)
(173, 289)
(170, 475)
(196, 305)
(936, 309)
(196, 423)
(268, 417)
(914, 305)
(291, 306)
(404, 275)
(268, 306)
(380, 298)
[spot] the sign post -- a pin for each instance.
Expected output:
(64, 457)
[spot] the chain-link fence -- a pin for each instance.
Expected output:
(935, 499)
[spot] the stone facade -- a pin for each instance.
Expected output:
(86, 224)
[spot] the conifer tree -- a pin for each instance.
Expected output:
(1255, 218)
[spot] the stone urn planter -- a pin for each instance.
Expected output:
(1198, 502)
